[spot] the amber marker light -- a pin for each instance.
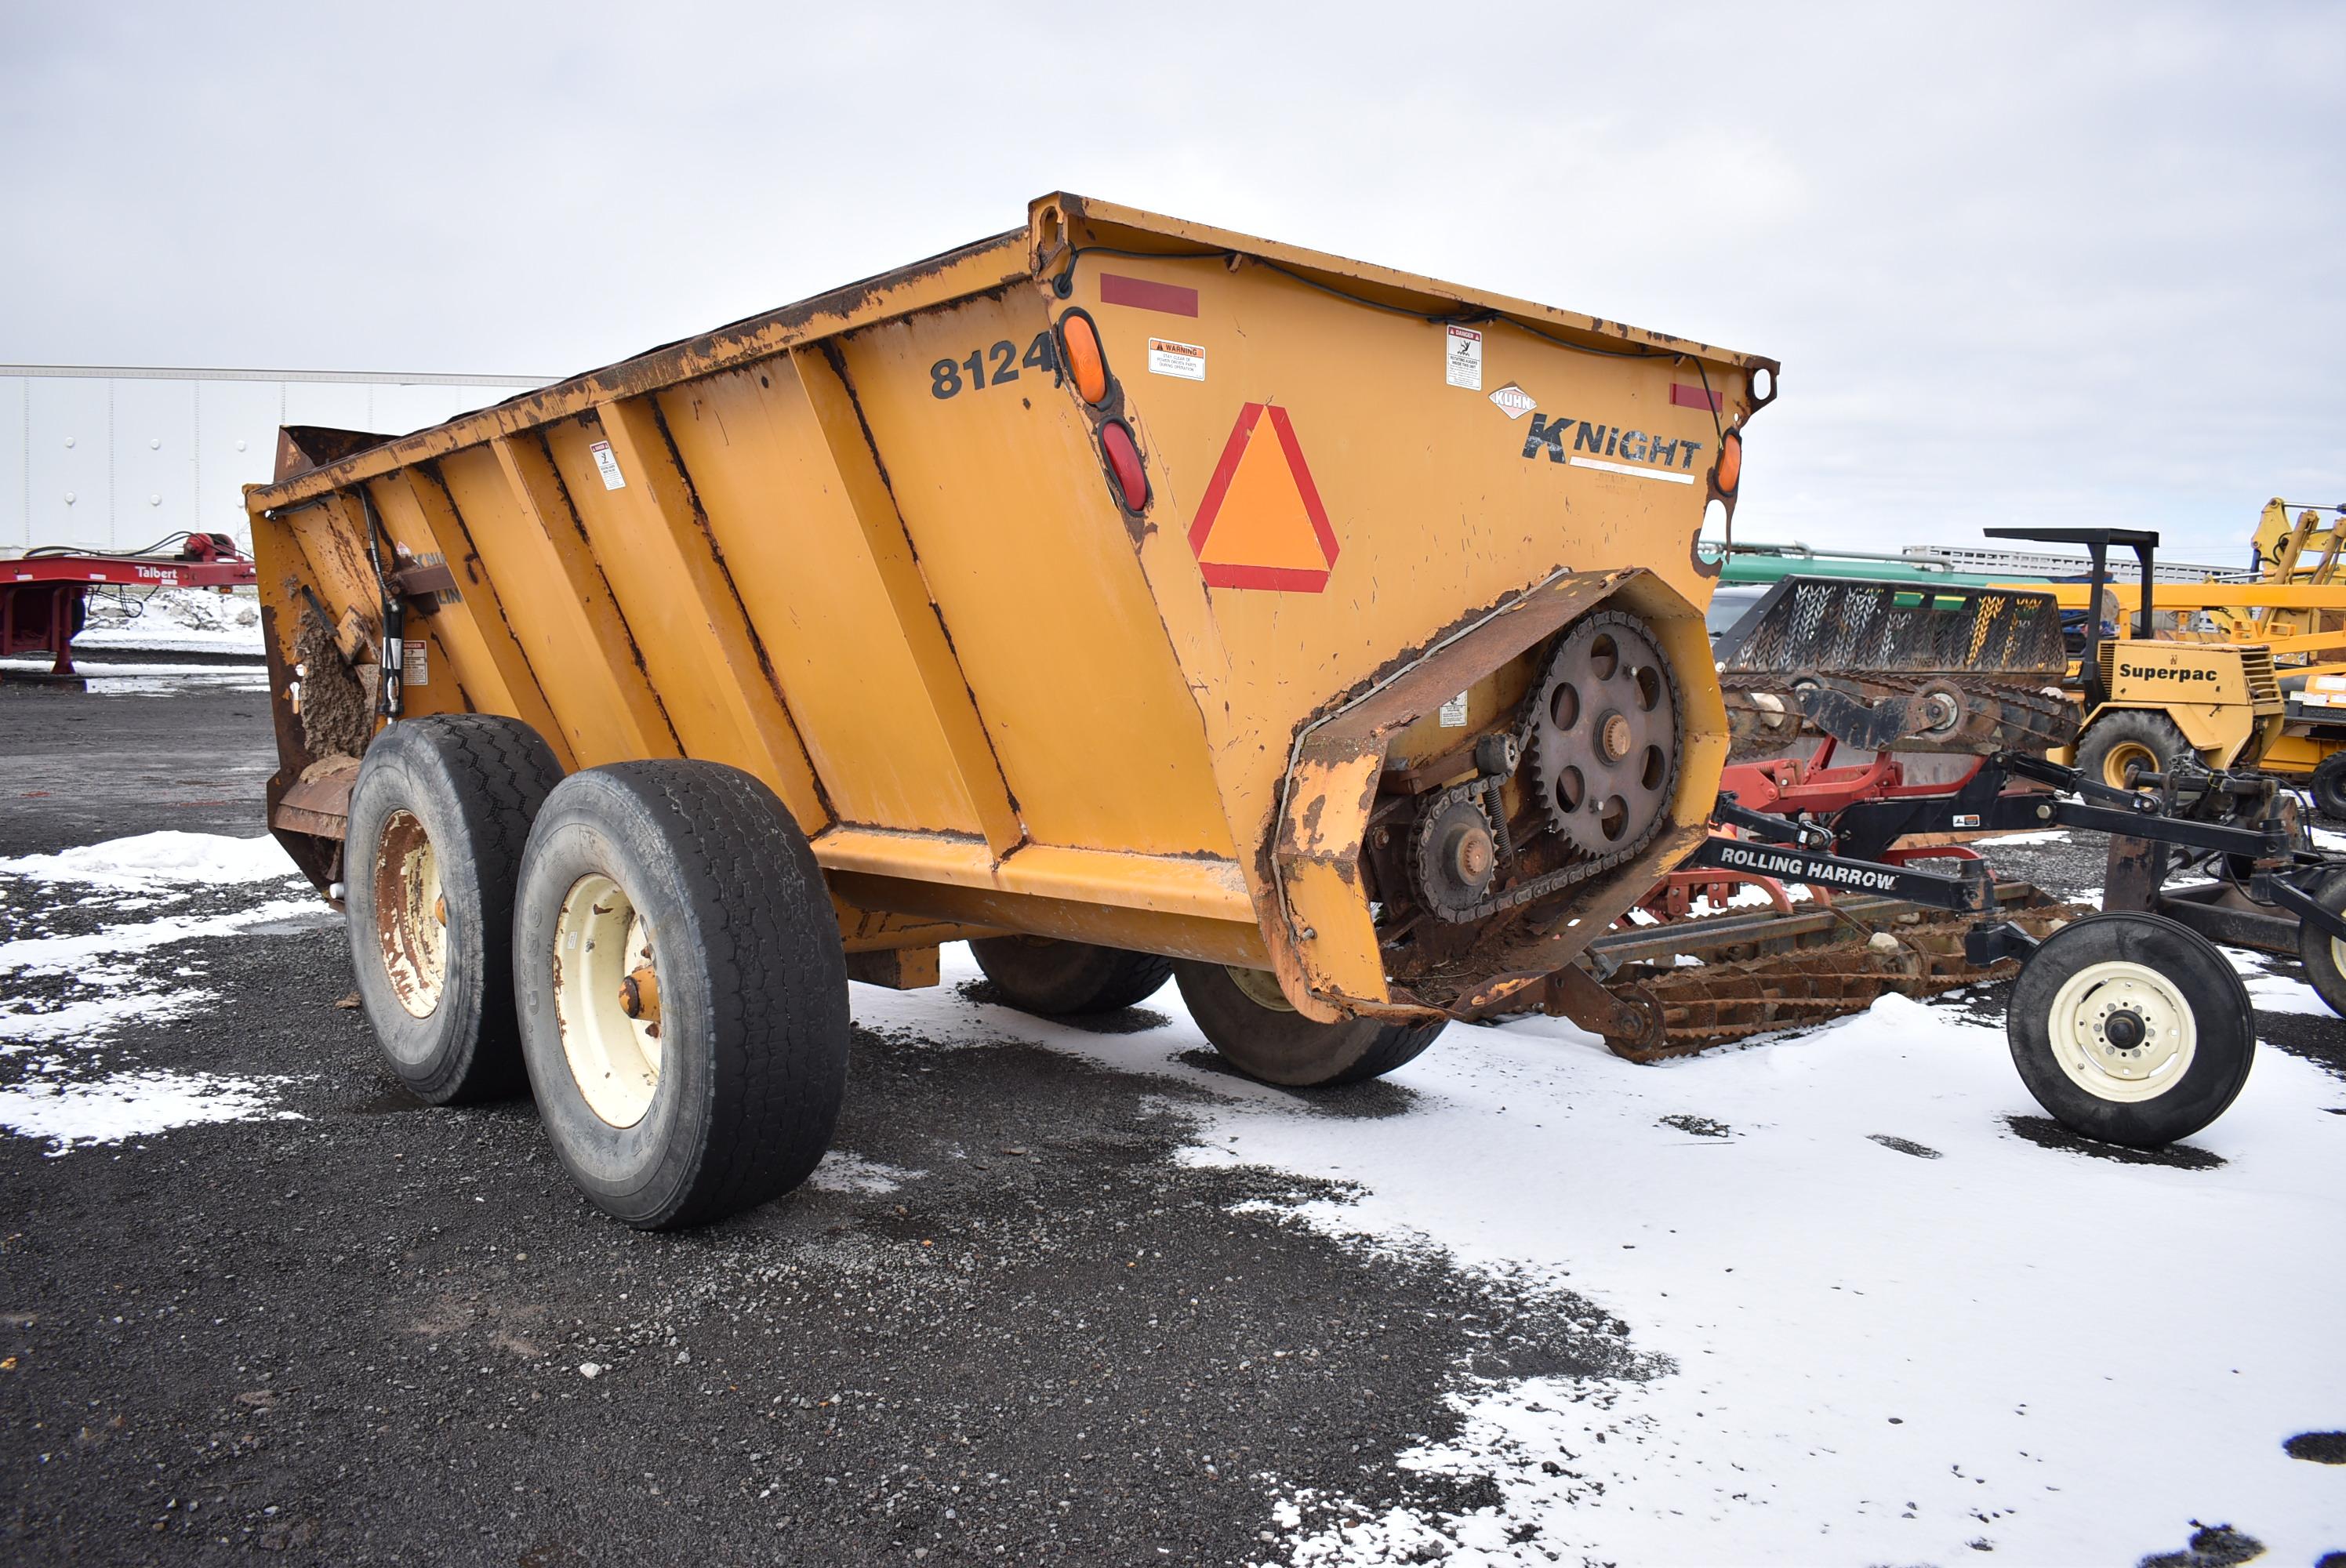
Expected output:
(1730, 462)
(1080, 352)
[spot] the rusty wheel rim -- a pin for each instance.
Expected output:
(411, 914)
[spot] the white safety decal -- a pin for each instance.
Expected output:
(1462, 358)
(1167, 358)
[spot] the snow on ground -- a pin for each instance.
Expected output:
(133, 1105)
(165, 858)
(149, 685)
(67, 954)
(1890, 1327)
(2274, 992)
(843, 1172)
(105, 679)
(2033, 837)
(70, 995)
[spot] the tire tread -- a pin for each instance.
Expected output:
(499, 771)
(777, 976)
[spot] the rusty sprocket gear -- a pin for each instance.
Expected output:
(1605, 735)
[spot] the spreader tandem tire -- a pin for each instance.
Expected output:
(683, 991)
(2131, 1029)
(438, 819)
(2325, 955)
(1259, 1031)
(1036, 974)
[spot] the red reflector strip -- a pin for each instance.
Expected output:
(1694, 397)
(1143, 295)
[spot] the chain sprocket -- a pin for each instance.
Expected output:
(1454, 853)
(1604, 734)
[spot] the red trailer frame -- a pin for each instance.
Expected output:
(43, 598)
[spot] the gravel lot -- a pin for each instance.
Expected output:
(1011, 1321)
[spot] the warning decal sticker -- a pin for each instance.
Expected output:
(1167, 358)
(1462, 366)
(1261, 524)
(609, 464)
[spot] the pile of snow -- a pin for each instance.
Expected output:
(177, 620)
(168, 858)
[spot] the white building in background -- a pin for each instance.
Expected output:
(116, 457)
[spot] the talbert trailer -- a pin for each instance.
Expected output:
(1131, 596)
(43, 593)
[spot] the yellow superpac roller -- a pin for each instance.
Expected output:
(1133, 597)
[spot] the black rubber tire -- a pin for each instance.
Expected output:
(2132, 729)
(2324, 970)
(1279, 1046)
(474, 782)
(2329, 786)
(2222, 1017)
(752, 989)
(1036, 974)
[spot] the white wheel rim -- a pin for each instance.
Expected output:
(1260, 987)
(411, 914)
(2090, 1008)
(615, 1059)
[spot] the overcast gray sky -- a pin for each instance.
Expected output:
(2055, 264)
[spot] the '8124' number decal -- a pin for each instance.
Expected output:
(946, 378)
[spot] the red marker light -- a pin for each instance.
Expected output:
(1124, 466)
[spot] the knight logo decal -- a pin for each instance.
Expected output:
(1262, 524)
(1612, 449)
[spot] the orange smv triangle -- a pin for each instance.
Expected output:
(1261, 525)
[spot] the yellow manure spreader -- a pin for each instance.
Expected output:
(1133, 597)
